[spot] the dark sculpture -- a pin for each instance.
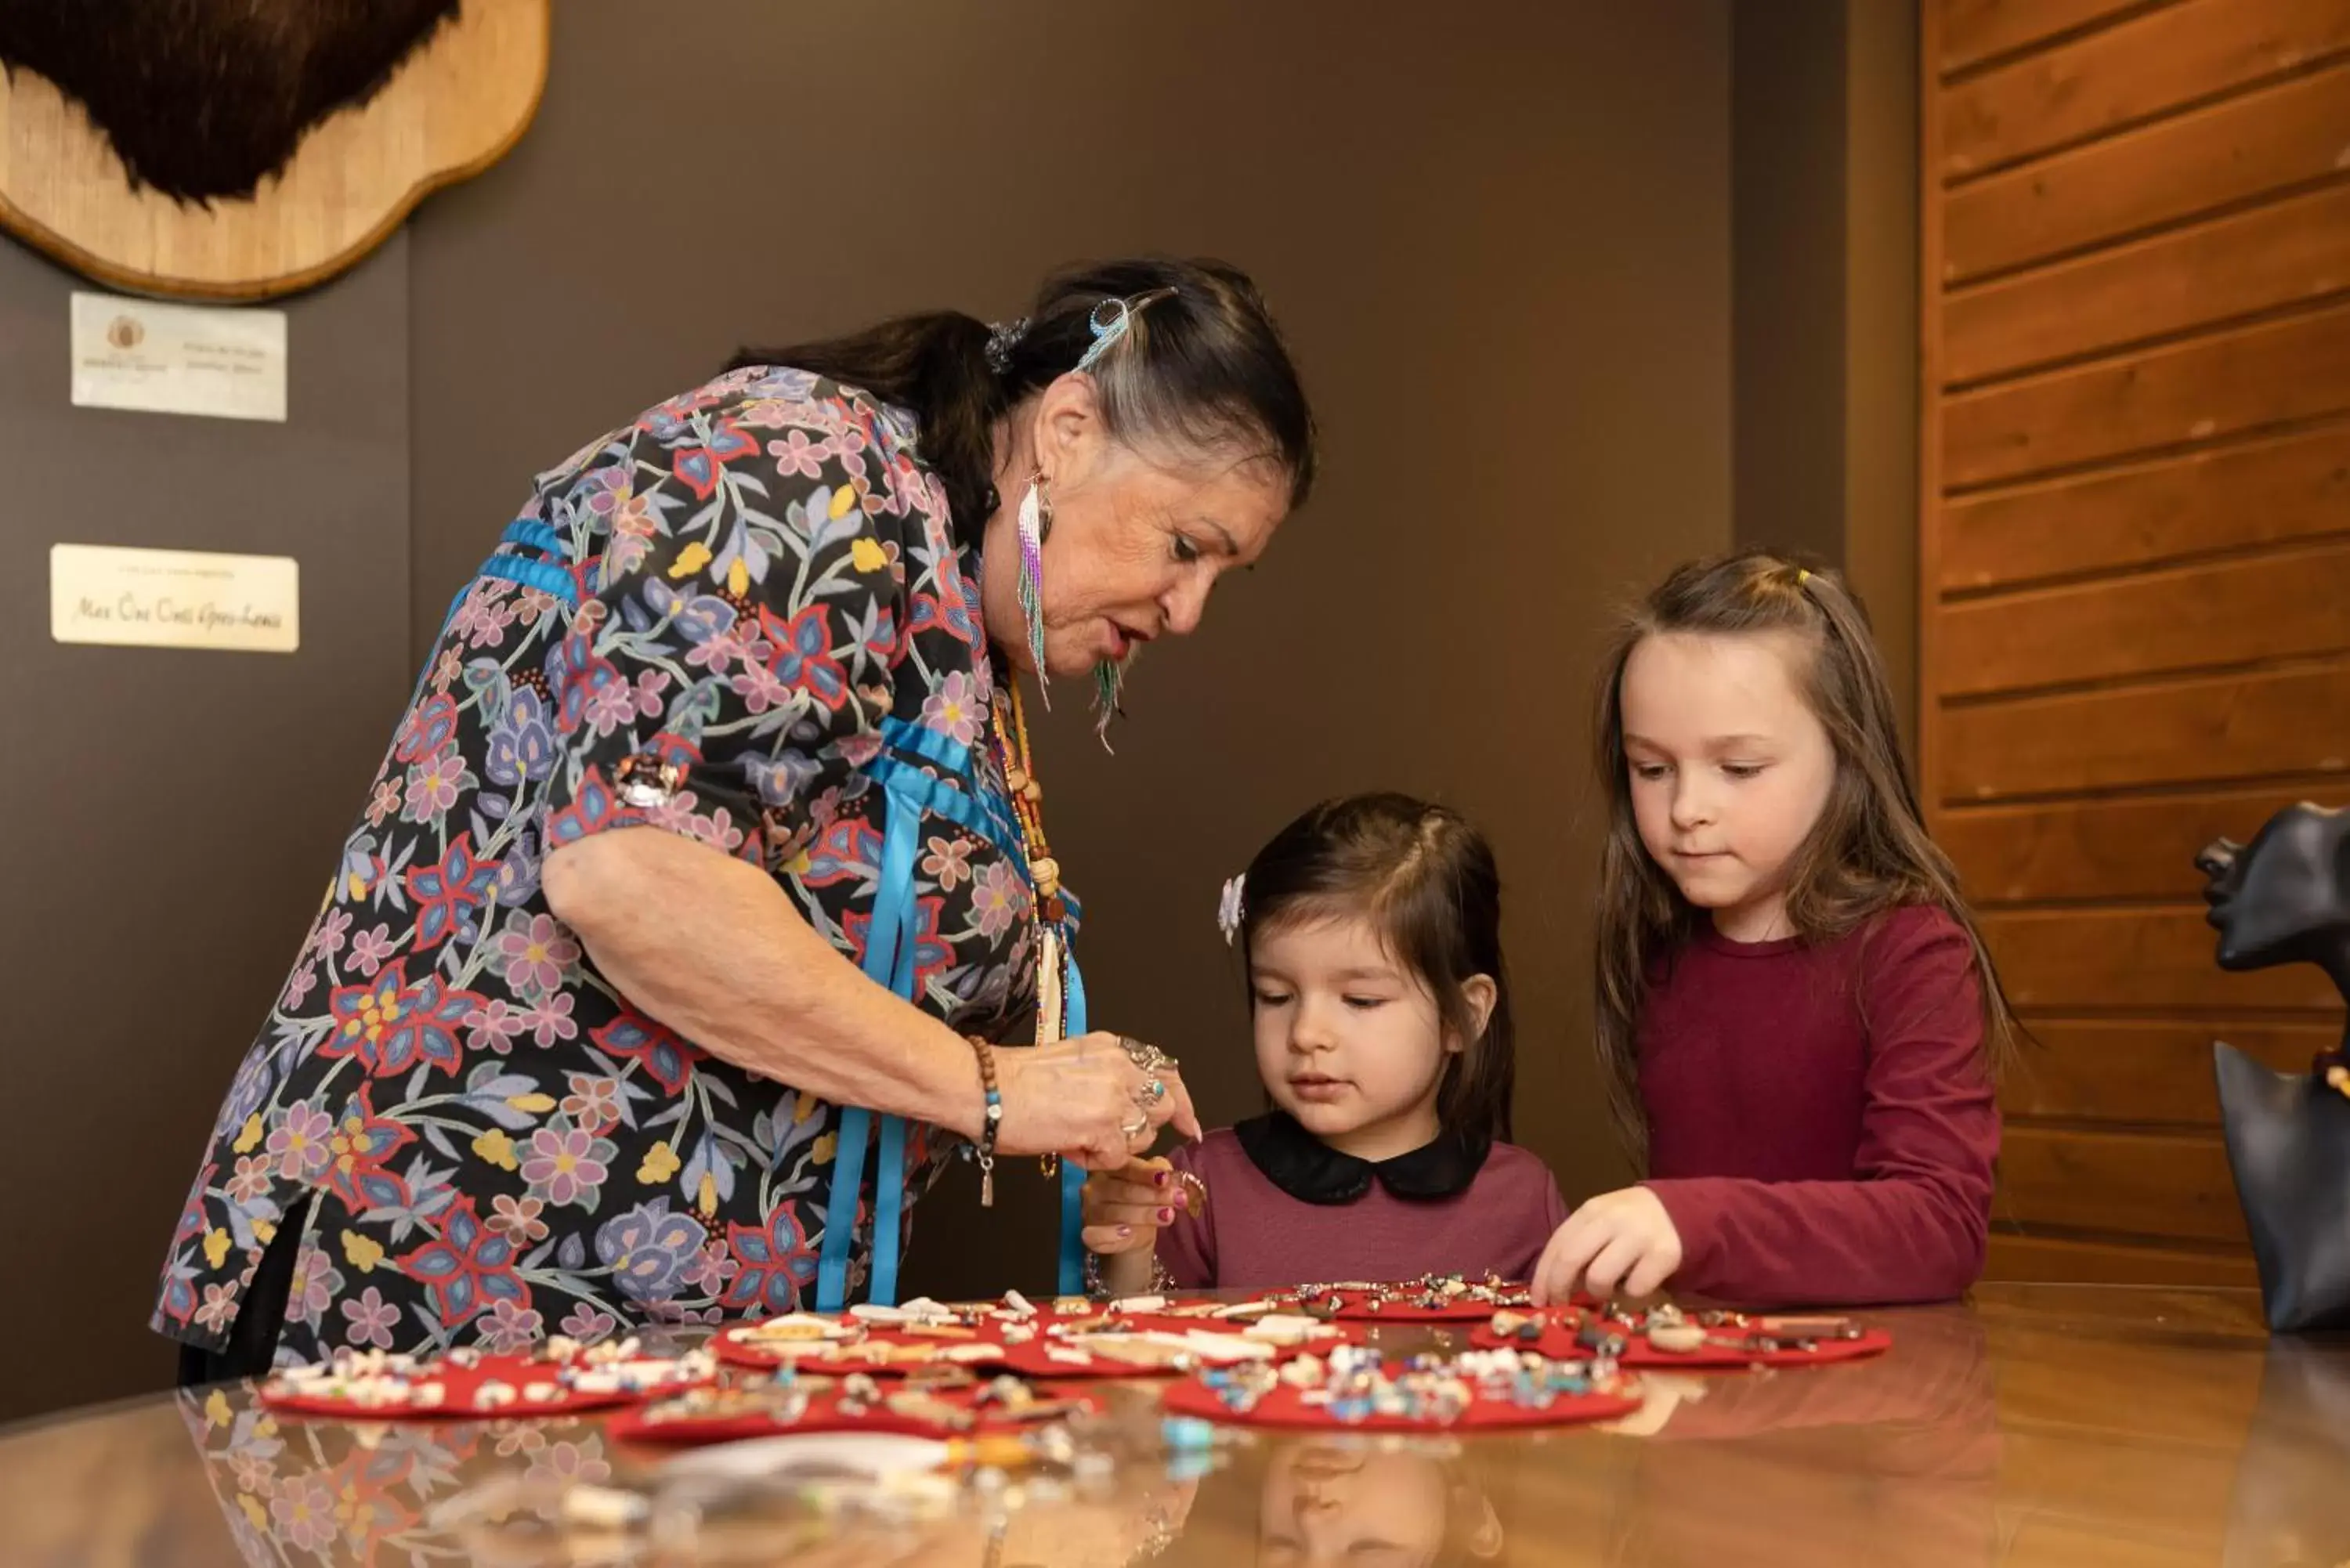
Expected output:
(204, 98)
(2285, 899)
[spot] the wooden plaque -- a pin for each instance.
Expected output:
(451, 110)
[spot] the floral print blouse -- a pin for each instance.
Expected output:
(698, 625)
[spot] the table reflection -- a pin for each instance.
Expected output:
(2289, 1507)
(2036, 1428)
(294, 1492)
(1892, 1460)
(1326, 1502)
(310, 1491)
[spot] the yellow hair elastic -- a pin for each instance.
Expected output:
(1802, 576)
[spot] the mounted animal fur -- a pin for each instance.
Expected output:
(205, 99)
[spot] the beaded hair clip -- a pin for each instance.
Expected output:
(1112, 320)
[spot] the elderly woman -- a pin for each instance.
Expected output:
(533, 1073)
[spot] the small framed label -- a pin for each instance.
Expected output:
(174, 598)
(178, 358)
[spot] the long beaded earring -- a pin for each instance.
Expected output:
(1109, 674)
(1035, 520)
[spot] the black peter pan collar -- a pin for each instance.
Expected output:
(1313, 1172)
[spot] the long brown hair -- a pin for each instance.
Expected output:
(1869, 851)
(1426, 882)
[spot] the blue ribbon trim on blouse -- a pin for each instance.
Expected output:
(550, 577)
(889, 949)
(1073, 1176)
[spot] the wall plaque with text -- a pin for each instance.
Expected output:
(174, 598)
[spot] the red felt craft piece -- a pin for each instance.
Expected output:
(1287, 1408)
(988, 1330)
(462, 1388)
(1178, 1322)
(1033, 1359)
(1354, 1307)
(1170, 1319)
(824, 1415)
(734, 1352)
(1028, 1358)
(1559, 1343)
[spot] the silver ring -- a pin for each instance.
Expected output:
(1135, 1128)
(1152, 1091)
(1149, 1058)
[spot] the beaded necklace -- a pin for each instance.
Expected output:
(1046, 908)
(1056, 1009)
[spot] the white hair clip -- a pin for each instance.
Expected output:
(1228, 908)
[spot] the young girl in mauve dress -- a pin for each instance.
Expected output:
(1371, 930)
(1797, 1020)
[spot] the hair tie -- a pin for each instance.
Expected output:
(1002, 337)
(1802, 576)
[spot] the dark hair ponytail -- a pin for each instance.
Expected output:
(1202, 369)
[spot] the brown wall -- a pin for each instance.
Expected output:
(2136, 561)
(1823, 249)
(1500, 243)
(1788, 146)
(1880, 349)
(168, 820)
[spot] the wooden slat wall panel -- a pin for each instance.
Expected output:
(2153, 958)
(2195, 617)
(2138, 1070)
(2275, 140)
(2180, 733)
(2135, 557)
(2142, 849)
(2129, 72)
(2145, 1184)
(1975, 30)
(2287, 251)
(2236, 380)
(2259, 493)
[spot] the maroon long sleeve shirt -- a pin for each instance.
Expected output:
(1823, 1125)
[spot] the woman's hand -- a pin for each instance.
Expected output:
(1087, 1101)
(1618, 1238)
(1124, 1210)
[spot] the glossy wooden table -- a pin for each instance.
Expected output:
(2036, 1424)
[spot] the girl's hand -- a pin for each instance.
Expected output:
(1618, 1238)
(1126, 1209)
(1085, 1100)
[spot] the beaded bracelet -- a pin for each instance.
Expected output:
(1097, 1288)
(990, 1123)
